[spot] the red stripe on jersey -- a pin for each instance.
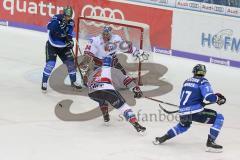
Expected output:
(103, 80)
(127, 80)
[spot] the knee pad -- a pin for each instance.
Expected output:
(180, 128)
(70, 66)
(117, 101)
(219, 121)
(216, 127)
(71, 70)
(101, 102)
(49, 67)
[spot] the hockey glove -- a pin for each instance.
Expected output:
(63, 24)
(137, 92)
(70, 44)
(141, 55)
(220, 99)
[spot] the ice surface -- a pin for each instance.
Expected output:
(30, 130)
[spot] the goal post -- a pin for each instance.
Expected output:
(135, 32)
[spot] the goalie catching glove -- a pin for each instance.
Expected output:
(220, 99)
(137, 92)
(141, 55)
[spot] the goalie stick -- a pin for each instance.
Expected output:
(75, 58)
(76, 61)
(79, 69)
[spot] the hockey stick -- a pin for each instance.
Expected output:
(76, 63)
(167, 111)
(75, 58)
(79, 50)
(156, 100)
(176, 111)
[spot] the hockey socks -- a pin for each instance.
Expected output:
(130, 116)
(104, 109)
(216, 127)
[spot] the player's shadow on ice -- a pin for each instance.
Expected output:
(152, 86)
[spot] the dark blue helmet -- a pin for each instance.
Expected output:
(199, 70)
(107, 61)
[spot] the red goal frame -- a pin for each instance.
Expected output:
(113, 22)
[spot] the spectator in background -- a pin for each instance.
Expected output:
(232, 3)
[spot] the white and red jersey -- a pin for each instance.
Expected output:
(108, 78)
(98, 49)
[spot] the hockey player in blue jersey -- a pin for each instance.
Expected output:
(60, 33)
(194, 91)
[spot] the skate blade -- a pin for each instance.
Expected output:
(77, 90)
(107, 124)
(44, 91)
(156, 142)
(142, 133)
(213, 150)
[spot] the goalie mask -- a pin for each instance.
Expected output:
(199, 70)
(107, 33)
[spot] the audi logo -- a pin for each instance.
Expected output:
(97, 11)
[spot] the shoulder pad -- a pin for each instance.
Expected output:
(71, 22)
(117, 37)
(58, 16)
(90, 40)
(96, 39)
(204, 81)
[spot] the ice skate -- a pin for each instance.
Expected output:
(159, 140)
(76, 85)
(44, 87)
(212, 146)
(139, 128)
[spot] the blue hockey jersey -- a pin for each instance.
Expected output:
(194, 92)
(57, 36)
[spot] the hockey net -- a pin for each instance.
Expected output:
(136, 33)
